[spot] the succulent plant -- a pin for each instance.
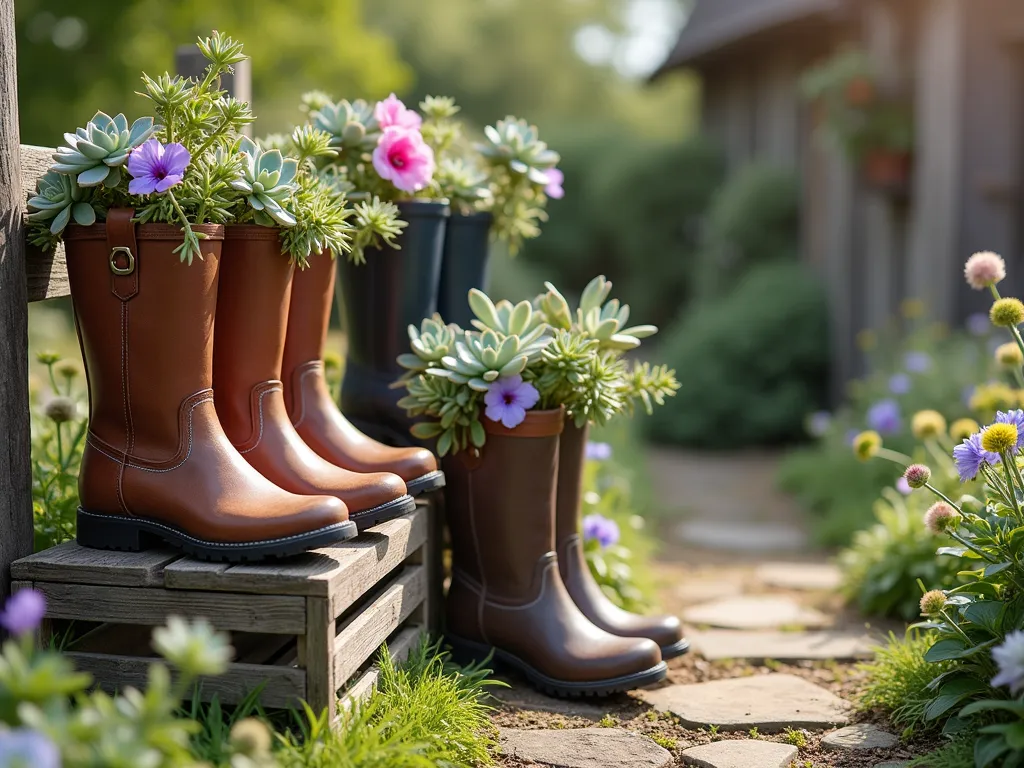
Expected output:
(650, 385)
(602, 321)
(94, 154)
(377, 223)
(351, 124)
(505, 319)
(516, 144)
(431, 343)
(480, 359)
(463, 184)
(58, 200)
(454, 408)
(268, 182)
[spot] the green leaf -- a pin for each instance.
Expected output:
(425, 430)
(992, 570)
(990, 705)
(940, 705)
(93, 177)
(444, 443)
(987, 749)
(945, 650)
(954, 551)
(1014, 736)
(84, 214)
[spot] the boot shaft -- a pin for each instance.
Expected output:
(145, 322)
(572, 448)
(467, 243)
(309, 317)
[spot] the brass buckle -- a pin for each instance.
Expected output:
(113, 263)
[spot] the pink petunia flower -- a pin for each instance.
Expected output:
(156, 167)
(554, 187)
(392, 113)
(404, 159)
(509, 399)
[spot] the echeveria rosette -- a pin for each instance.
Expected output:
(268, 183)
(58, 200)
(481, 359)
(515, 144)
(94, 154)
(506, 319)
(604, 322)
(351, 124)
(463, 184)
(431, 343)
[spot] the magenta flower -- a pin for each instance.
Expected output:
(392, 113)
(156, 167)
(404, 159)
(23, 612)
(554, 186)
(509, 399)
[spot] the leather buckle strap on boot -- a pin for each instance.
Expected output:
(124, 276)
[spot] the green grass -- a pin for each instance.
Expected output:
(898, 679)
(956, 754)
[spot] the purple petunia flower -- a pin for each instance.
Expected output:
(509, 399)
(979, 324)
(917, 362)
(156, 167)
(554, 186)
(969, 457)
(600, 529)
(1017, 419)
(598, 451)
(23, 612)
(899, 384)
(884, 417)
(903, 486)
(21, 746)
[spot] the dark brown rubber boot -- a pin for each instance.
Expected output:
(666, 631)
(506, 594)
(157, 464)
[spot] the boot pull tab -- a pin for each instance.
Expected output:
(123, 253)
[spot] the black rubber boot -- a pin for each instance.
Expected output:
(466, 256)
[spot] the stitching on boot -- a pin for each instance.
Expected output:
(311, 367)
(259, 408)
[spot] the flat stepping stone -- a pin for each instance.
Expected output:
(526, 698)
(585, 748)
(857, 738)
(808, 577)
(693, 591)
(841, 645)
(770, 703)
(742, 536)
(754, 612)
(741, 753)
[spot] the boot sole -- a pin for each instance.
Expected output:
(367, 518)
(134, 534)
(675, 650)
(565, 689)
(432, 481)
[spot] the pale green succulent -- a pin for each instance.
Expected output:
(505, 319)
(268, 183)
(462, 183)
(607, 322)
(58, 200)
(94, 154)
(649, 385)
(431, 343)
(350, 124)
(516, 144)
(480, 359)
(453, 408)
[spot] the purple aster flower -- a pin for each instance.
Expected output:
(23, 612)
(598, 451)
(509, 399)
(600, 529)
(156, 167)
(899, 384)
(903, 486)
(917, 362)
(969, 457)
(21, 746)
(978, 324)
(1017, 419)
(554, 186)
(818, 423)
(884, 417)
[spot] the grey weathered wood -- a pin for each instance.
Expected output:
(365, 684)
(15, 467)
(365, 633)
(71, 563)
(46, 273)
(273, 614)
(317, 650)
(344, 572)
(281, 686)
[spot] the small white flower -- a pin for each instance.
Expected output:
(195, 649)
(1010, 659)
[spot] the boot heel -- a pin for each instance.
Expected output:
(113, 532)
(466, 652)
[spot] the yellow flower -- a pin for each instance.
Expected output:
(927, 424)
(1006, 313)
(963, 429)
(989, 398)
(1010, 356)
(999, 438)
(867, 444)
(912, 308)
(867, 340)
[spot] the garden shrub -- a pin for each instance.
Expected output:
(751, 364)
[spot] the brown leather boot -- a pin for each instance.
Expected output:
(314, 414)
(252, 317)
(506, 594)
(666, 631)
(157, 465)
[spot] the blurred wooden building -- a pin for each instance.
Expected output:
(960, 66)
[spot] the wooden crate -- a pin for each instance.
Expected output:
(304, 628)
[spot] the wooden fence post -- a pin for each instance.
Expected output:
(15, 441)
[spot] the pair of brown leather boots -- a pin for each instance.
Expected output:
(521, 587)
(220, 438)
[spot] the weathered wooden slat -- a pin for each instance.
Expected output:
(282, 686)
(343, 572)
(46, 273)
(399, 648)
(69, 562)
(272, 614)
(365, 633)
(317, 650)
